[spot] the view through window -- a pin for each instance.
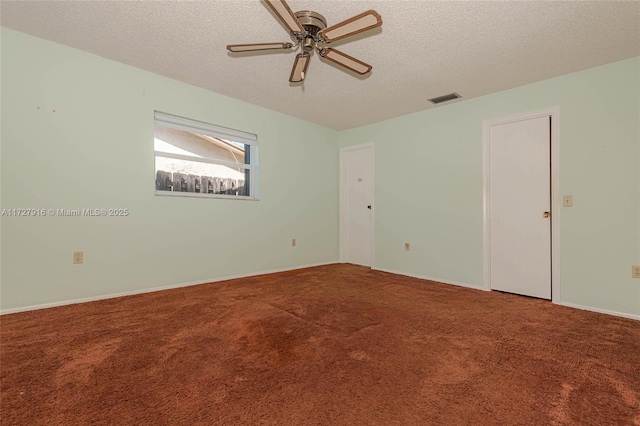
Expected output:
(200, 159)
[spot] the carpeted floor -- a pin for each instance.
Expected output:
(331, 345)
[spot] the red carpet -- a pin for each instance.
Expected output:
(332, 345)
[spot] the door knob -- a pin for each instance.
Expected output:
(369, 206)
(546, 214)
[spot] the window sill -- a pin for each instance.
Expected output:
(199, 195)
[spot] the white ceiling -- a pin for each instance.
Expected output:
(424, 48)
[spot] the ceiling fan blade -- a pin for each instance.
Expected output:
(258, 46)
(359, 23)
(286, 16)
(299, 69)
(345, 60)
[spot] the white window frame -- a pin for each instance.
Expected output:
(194, 126)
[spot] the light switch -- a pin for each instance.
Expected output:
(567, 201)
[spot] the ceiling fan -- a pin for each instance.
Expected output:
(309, 29)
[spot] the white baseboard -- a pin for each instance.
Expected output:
(601, 311)
(459, 284)
(569, 305)
(152, 289)
(274, 271)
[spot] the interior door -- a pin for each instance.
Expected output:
(357, 205)
(520, 202)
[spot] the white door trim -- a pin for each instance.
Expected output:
(556, 202)
(343, 201)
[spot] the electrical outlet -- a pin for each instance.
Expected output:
(567, 201)
(407, 246)
(293, 242)
(78, 257)
(635, 271)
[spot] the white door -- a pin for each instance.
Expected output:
(357, 205)
(520, 205)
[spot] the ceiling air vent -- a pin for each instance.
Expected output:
(445, 98)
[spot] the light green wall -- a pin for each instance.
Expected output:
(428, 184)
(96, 151)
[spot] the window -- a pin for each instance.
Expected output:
(202, 160)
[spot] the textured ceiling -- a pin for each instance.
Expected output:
(424, 48)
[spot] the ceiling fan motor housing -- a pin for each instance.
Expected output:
(312, 22)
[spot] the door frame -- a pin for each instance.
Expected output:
(343, 199)
(556, 201)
